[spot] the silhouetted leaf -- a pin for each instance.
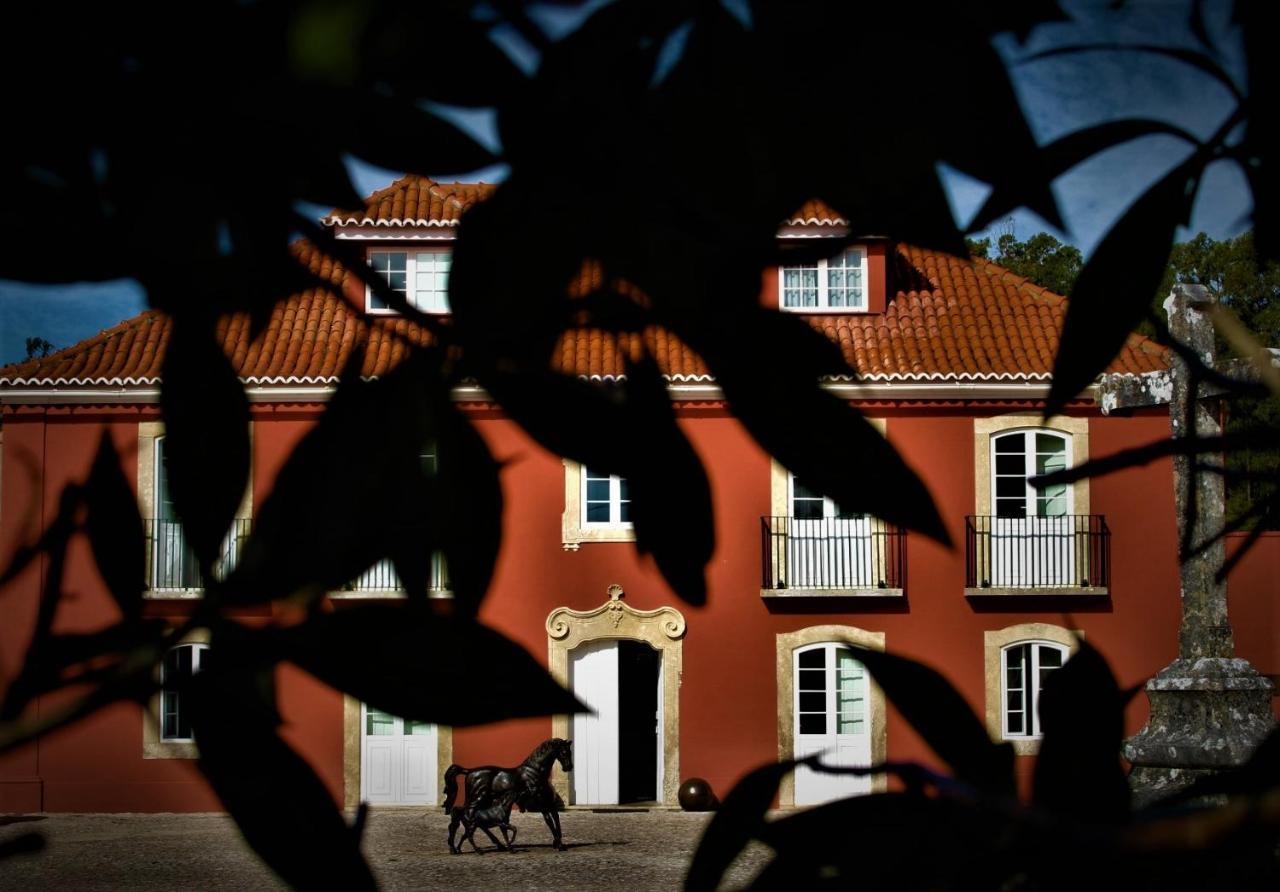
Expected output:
(469, 519)
(466, 68)
(284, 810)
(22, 844)
(738, 820)
(1075, 148)
(353, 491)
(821, 439)
(670, 494)
(943, 718)
(206, 415)
(890, 841)
(1260, 148)
(406, 660)
(397, 136)
(1078, 771)
(115, 529)
(1115, 287)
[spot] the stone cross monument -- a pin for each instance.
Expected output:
(1209, 709)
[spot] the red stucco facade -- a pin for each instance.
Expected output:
(728, 696)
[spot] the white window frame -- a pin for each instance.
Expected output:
(1031, 686)
(1031, 494)
(615, 504)
(437, 307)
(824, 300)
(198, 650)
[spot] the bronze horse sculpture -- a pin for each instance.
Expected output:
(528, 784)
(496, 815)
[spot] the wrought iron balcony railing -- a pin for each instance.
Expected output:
(832, 554)
(381, 577)
(171, 563)
(1070, 551)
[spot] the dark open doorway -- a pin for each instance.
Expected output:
(637, 722)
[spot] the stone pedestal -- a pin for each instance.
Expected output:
(1209, 709)
(1207, 714)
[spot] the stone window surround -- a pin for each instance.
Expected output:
(148, 433)
(785, 647)
(985, 430)
(153, 747)
(573, 531)
(993, 644)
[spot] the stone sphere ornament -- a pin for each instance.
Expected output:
(696, 795)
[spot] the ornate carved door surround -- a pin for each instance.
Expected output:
(662, 629)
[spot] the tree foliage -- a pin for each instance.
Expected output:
(1041, 258)
(647, 141)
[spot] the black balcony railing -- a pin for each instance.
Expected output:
(1067, 551)
(172, 565)
(832, 554)
(381, 577)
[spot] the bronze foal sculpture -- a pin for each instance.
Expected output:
(528, 783)
(496, 815)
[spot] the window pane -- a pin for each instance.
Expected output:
(397, 281)
(1050, 657)
(807, 509)
(1052, 502)
(597, 512)
(378, 723)
(813, 659)
(1011, 443)
(850, 724)
(1010, 486)
(1051, 444)
(1011, 463)
(811, 680)
(413, 727)
(624, 512)
(1015, 723)
(1011, 507)
(813, 701)
(813, 723)
(598, 490)
(624, 492)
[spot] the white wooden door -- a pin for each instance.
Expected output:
(594, 676)
(1033, 532)
(398, 760)
(832, 716)
(827, 548)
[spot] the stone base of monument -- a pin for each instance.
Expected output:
(1207, 715)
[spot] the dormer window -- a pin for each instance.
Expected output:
(421, 276)
(835, 284)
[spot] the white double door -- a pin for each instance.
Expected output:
(832, 717)
(594, 676)
(397, 760)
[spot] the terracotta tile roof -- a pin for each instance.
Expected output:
(950, 319)
(815, 213)
(414, 201)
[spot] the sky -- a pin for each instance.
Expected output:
(1058, 96)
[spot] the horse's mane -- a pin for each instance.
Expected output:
(541, 751)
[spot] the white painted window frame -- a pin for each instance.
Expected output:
(824, 300)
(198, 650)
(615, 504)
(1031, 686)
(411, 274)
(1029, 456)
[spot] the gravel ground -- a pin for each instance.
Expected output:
(407, 848)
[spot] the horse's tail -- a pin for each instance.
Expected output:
(451, 786)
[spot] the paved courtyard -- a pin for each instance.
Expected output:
(407, 848)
